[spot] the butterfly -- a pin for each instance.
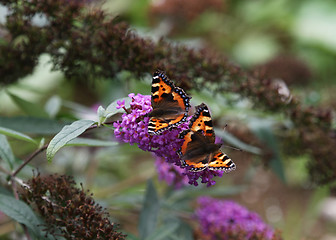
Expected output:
(199, 150)
(170, 104)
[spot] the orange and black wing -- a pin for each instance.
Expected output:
(222, 162)
(201, 122)
(170, 104)
(191, 153)
(199, 151)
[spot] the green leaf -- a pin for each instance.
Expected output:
(264, 131)
(4, 191)
(130, 236)
(163, 232)
(184, 232)
(236, 142)
(86, 142)
(68, 133)
(53, 106)
(21, 212)
(29, 108)
(41, 143)
(33, 125)
(6, 152)
(101, 115)
(149, 212)
(17, 135)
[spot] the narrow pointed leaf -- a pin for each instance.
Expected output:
(68, 133)
(29, 108)
(17, 135)
(34, 125)
(21, 212)
(264, 131)
(53, 106)
(163, 232)
(184, 232)
(6, 152)
(4, 191)
(86, 142)
(149, 212)
(236, 142)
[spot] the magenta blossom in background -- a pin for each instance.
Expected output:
(227, 218)
(133, 128)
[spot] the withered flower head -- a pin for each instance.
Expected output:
(181, 13)
(69, 211)
(288, 68)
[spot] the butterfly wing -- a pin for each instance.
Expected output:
(190, 153)
(201, 122)
(221, 161)
(170, 104)
(198, 140)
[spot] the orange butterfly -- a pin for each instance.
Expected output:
(199, 150)
(170, 104)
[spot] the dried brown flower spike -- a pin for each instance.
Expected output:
(69, 211)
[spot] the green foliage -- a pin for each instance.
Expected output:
(263, 131)
(28, 107)
(15, 134)
(149, 213)
(85, 142)
(163, 232)
(229, 138)
(67, 133)
(22, 213)
(33, 125)
(53, 106)
(6, 152)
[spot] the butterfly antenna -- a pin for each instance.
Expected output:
(234, 148)
(238, 149)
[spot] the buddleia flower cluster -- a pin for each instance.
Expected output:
(133, 128)
(223, 220)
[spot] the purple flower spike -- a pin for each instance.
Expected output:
(170, 173)
(227, 218)
(133, 128)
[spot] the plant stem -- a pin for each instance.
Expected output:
(34, 154)
(16, 195)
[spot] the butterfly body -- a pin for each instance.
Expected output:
(170, 104)
(199, 150)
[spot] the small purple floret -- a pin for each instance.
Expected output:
(121, 104)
